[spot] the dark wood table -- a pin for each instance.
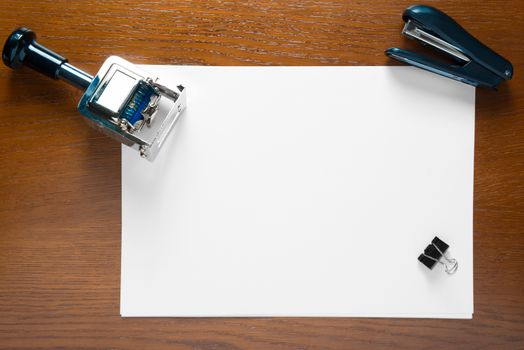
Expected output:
(60, 180)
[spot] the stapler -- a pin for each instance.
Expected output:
(474, 63)
(122, 100)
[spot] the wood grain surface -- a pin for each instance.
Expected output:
(60, 181)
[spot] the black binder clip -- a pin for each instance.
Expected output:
(435, 253)
(475, 63)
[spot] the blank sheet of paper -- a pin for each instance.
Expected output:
(303, 191)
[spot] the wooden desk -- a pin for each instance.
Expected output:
(60, 181)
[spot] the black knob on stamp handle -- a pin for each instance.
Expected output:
(21, 48)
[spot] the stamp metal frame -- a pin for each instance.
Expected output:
(149, 137)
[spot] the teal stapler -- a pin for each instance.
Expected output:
(473, 62)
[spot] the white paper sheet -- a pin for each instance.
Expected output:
(303, 191)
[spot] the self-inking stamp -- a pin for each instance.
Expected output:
(122, 100)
